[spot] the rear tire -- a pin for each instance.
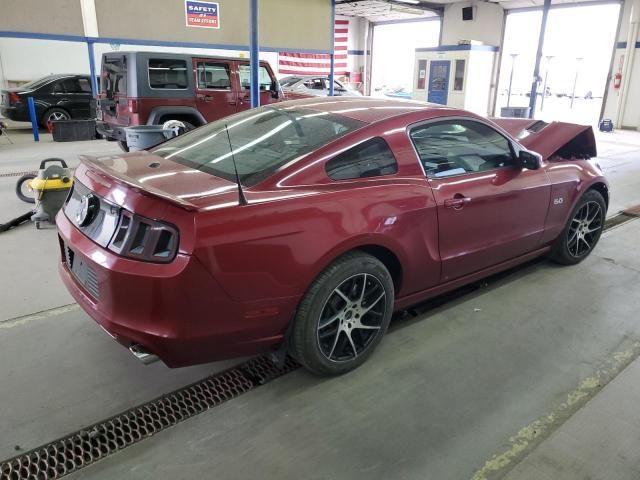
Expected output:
(22, 190)
(123, 145)
(52, 115)
(583, 230)
(343, 316)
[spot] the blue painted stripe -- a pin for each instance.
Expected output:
(624, 45)
(356, 52)
(152, 43)
(452, 48)
(409, 20)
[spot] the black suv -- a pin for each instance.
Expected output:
(56, 97)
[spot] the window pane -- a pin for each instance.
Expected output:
(263, 77)
(422, 74)
(213, 75)
(263, 140)
(372, 158)
(461, 146)
(168, 73)
(70, 85)
(458, 79)
(85, 85)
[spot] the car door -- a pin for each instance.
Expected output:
(75, 96)
(215, 97)
(266, 80)
(489, 208)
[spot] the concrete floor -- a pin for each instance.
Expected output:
(447, 395)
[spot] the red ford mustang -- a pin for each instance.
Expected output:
(304, 225)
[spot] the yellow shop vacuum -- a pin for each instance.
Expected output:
(50, 189)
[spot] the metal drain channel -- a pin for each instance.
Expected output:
(18, 174)
(84, 447)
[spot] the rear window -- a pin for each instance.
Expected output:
(289, 81)
(263, 140)
(113, 79)
(167, 73)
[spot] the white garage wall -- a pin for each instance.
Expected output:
(485, 27)
(25, 60)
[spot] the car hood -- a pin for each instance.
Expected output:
(156, 176)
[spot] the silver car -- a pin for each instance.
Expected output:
(315, 86)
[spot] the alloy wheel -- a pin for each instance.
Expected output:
(54, 116)
(351, 317)
(584, 229)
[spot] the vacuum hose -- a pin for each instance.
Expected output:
(16, 221)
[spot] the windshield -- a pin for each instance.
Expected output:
(263, 140)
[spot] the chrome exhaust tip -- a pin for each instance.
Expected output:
(141, 354)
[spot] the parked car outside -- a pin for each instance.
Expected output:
(299, 86)
(151, 88)
(302, 226)
(56, 97)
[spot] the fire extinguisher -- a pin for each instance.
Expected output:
(617, 80)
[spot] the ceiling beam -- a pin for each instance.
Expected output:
(426, 6)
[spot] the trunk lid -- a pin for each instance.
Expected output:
(155, 176)
(568, 140)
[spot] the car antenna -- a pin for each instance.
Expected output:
(242, 198)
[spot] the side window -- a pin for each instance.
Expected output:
(458, 78)
(168, 73)
(213, 75)
(85, 85)
(263, 77)
(455, 147)
(57, 87)
(372, 158)
(70, 85)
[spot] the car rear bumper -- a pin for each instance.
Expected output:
(15, 113)
(111, 132)
(176, 311)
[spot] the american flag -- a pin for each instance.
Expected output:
(318, 63)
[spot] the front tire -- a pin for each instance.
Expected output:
(583, 230)
(343, 316)
(54, 114)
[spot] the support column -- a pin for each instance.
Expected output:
(536, 69)
(254, 60)
(333, 52)
(92, 68)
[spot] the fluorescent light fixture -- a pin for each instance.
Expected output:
(412, 2)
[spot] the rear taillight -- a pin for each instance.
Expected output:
(13, 98)
(144, 239)
(133, 106)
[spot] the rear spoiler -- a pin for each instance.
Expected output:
(567, 140)
(98, 168)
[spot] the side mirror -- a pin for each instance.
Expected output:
(530, 160)
(275, 90)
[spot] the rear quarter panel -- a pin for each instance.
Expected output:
(290, 232)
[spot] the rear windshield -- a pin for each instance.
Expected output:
(263, 140)
(289, 81)
(40, 82)
(114, 76)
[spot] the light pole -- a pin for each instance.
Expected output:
(575, 80)
(546, 75)
(513, 62)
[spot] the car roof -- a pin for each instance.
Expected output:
(177, 55)
(364, 109)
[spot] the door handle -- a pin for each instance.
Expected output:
(206, 98)
(457, 202)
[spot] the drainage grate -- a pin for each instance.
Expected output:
(80, 449)
(18, 174)
(618, 219)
